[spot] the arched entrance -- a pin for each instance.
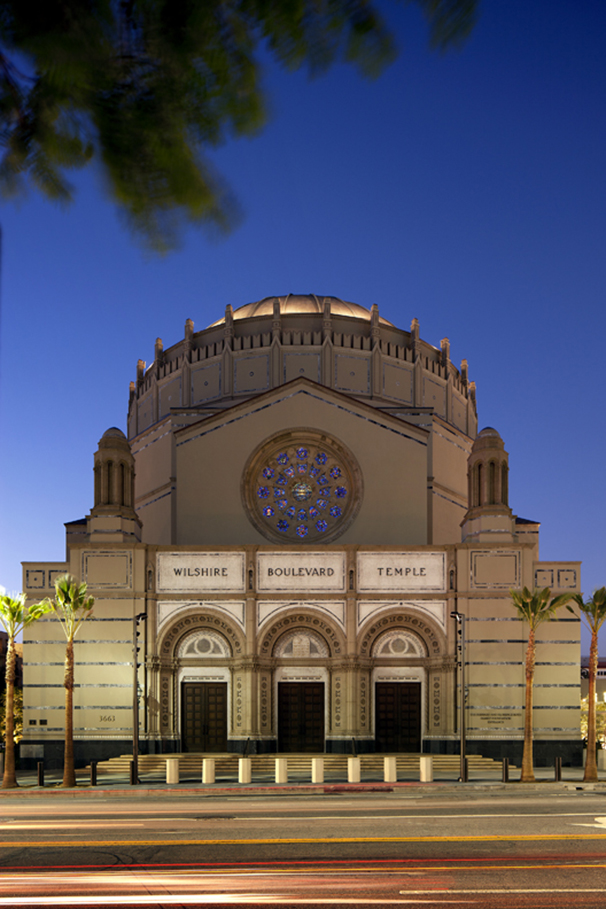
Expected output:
(398, 715)
(204, 693)
(301, 693)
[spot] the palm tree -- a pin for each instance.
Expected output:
(72, 607)
(534, 608)
(14, 617)
(594, 613)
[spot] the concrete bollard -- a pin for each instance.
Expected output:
(281, 770)
(208, 770)
(390, 770)
(353, 770)
(426, 769)
(317, 770)
(172, 770)
(244, 770)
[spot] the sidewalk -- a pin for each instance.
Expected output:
(153, 785)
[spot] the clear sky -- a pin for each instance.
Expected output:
(465, 189)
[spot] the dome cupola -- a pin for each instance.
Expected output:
(489, 517)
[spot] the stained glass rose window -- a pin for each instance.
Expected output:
(313, 484)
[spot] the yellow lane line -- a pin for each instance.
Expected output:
(526, 837)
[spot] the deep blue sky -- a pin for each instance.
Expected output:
(465, 189)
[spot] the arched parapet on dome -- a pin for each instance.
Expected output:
(193, 622)
(424, 637)
(306, 624)
(328, 340)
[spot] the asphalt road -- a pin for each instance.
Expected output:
(382, 849)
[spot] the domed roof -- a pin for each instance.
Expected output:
(113, 433)
(488, 438)
(293, 304)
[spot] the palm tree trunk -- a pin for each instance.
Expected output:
(591, 768)
(69, 774)
(9, 780)
(527, 758)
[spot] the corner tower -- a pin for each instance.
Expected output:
(113, 517)
(489, 518)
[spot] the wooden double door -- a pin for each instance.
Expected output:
(301, 717)
(204, 716)
(398, 717)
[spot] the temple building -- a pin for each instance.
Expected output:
(301, 501)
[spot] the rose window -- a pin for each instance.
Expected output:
(302, 490)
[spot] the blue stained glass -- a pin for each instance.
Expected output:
(321, 458)
(281, 481)
(282, 503)
(340, 491)
(263, 492)
(302, 492)
(290, 512)
(335, 512)
(321, 503)
(282, 525)
(321, 526)
(325, 491)
(301, 514)
(323, 480)
(314, 471)
(282, 458)
(313, 512)
(335, 472)
(302, 530)
(302, 468)
(268, 473)
(301, 452)
(289, 471)
(268, 511)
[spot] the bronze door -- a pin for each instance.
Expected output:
(398, 717)
(301, 717)
(204, 726)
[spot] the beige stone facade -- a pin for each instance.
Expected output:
(302, 502)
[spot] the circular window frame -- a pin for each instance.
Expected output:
(268, 451)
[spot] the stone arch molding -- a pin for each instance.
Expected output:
(399, 644)
(203, 644)
(430, 638)
(301, 644)
(176, 635)
(303, 623)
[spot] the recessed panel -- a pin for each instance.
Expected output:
(297, 365)
(397, 383)
(206, 383)
(251, 374)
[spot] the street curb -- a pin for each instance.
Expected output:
(443, 788)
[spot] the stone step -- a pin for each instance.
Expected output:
(227, 764)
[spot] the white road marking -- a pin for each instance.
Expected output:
(293, 818)
(600, 823)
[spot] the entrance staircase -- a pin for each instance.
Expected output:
(445, 766)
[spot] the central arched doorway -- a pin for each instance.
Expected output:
(301, 692)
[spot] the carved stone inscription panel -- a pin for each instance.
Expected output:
(401, 571)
